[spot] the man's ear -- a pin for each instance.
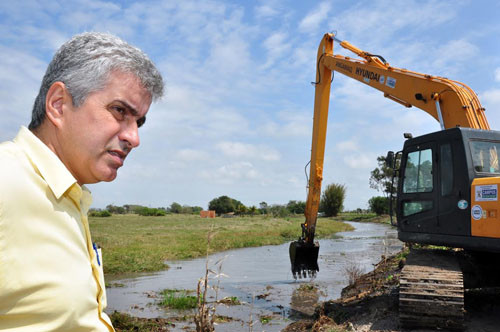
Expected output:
(57, 97)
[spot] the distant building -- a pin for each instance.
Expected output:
(207, 214)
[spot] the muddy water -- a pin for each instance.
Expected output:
(261, 279)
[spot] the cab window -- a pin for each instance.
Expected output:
(418, 172)
(485, 156)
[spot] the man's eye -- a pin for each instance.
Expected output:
(120, 109)
(119, 112)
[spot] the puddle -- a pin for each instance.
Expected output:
(261, 279)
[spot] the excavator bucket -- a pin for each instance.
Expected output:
(304, 259)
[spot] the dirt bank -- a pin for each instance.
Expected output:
(371, 304)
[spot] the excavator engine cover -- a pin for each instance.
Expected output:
(304, 258)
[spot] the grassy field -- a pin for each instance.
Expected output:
(132, 243)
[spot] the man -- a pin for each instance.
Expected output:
(93, 98)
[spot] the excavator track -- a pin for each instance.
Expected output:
(431, 293)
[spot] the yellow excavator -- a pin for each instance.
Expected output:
(447, 186)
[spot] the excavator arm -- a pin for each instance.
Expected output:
(450, 102)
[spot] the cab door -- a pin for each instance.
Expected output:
(417, 208)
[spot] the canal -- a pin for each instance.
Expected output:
(260, 278)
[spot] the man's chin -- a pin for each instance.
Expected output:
(110, 176)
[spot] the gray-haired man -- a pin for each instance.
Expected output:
(93, 98)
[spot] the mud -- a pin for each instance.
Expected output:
(260, 279)
(371, 304)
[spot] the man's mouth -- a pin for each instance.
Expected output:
(118, 156)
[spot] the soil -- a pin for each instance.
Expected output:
(371, 304)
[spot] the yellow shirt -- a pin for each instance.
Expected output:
(50, 278)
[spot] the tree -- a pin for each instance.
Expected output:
(296, 207)
(332, 200)
(115, 209)
(279, 211)
(175, 208)
(186, 209)
(252, 210)
(223, 204)
(379, 205)
(381, 177)
(196, 209)
(263, 208)
(241, 209)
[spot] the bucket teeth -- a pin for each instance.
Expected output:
(304, 273)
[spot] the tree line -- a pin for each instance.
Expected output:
(144, 210)
(331, 203)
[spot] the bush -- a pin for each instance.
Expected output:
(115, 209)
(353, 272)
(145, 211)
(332, 200)
(379, 205)
(103, 213)
(279, 211)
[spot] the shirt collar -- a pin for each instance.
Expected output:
(50, 167)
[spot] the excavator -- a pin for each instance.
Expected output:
(447, 187)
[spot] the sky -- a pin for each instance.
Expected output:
(236, 118)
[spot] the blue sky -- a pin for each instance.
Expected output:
(237, 116)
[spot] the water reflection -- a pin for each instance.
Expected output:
(303, 301)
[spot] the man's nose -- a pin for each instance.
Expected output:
(130, 134)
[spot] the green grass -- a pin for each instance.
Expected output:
(125, 323)
(365, 217)
(178, 299)
(133, 243)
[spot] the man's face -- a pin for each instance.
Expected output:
(96, 137)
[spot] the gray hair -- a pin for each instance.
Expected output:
(84, 63)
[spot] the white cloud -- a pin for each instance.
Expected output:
(490, 100)
(360, 160)
(190, 155)
(231, 173)
(453, 52)
(314, 19)
(248, 151)
(277, 46)
(347, 146)
(266, 11)
(21, 76)
(288, 124)
(497, 74)
(375, 21)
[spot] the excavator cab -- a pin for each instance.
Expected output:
(445, 178)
